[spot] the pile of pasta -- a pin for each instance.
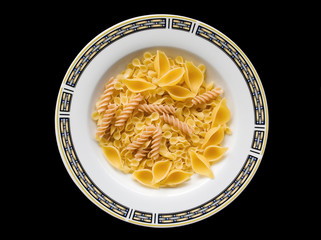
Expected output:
(161, 121)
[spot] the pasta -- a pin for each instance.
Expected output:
(160, 121)
(129, 108)
(106, 97)
(104, 126)
(150, 108)
(156, 142)
(177, 123)
(142, 138)
(207, 96)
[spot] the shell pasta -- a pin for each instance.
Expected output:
(160, 121)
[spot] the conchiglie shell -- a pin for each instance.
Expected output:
(200, 165)
(214, 136)
(172, 77)
(137, 85)
(179, 93)
(161, 63)
(145, 177)
(214, 153)
(160, 170)
(113, 156)
(194, 77)
(221, 114)
(176, 177)
(165, 153)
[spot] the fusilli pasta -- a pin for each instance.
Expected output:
(106, 97)
(156, 142)
(142, 138)
(127, 111)
(170, 119)
(207, 96)
(104, 125)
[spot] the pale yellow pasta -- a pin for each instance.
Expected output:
(194, 77)
(221, 114)
(176, 177)
(161, 121)
(200, 164)
(161, 63)
(160, 170)
(113, 156)
(172, 77)
(151, 108)
(179, 93)
(214, 136)
(213, 153)
(138, 85)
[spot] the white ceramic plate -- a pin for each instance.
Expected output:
(108, 54)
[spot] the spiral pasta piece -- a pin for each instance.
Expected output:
(156, 142)
(106, 96)
(207, 96)
(104, 125)
(142, 138)
(141, 153)
(150, 108)
(177, 123)
(127, 111)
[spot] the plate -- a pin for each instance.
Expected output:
(108, 54)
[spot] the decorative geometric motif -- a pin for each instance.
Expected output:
(63, 121)
(258, 140)
(109, 38)
(81, 174)
(142, 217)
(211, 205)
(181, 24)
(65, 102)
(243, 66)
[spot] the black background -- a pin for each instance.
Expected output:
(266, 33)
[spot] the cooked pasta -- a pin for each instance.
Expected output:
(160, 121)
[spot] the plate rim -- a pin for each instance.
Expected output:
(195, 22)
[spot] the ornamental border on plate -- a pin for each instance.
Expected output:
(199, 30)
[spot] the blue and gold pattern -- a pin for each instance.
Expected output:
(63, 121)
(82, 176)
(243, 66)
(109, 38)
(143, 217)
(214, 203)
(65, 102)
(258, 140)
(181, 24)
